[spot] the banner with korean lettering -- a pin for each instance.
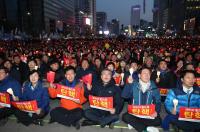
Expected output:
(4, 100)
(102, 103)
(142, 111)
(163, 91)
(189, 114)
(27, 106)
(68, 93)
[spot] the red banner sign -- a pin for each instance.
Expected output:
(142, 111)
(68, 93)
(163, 91)
(198, 81)
(87, 79)
(27, 106)
(102, 103)
(189, 114)
(50, 76)
(4, 100)
(117, 79)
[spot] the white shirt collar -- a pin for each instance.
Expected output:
(144, 86)
(186, 89)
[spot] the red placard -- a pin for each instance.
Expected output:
(189, 114)
(4, 100)
(142, 111)
(87, 79)
(102, 103)
(198, 81)
(50, 76)
(68, 93)
(163, 91)
(27, 106)
(117, 79)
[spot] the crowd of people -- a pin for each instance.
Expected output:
(129, 71)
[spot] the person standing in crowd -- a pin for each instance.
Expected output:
(69, 112)
(7, 82)
(104, 88)
(85, 70)
(98, 67)
(15, 74)
(33, 89)
(55, 67)
(133, 70)
(186, 95)
(143, 92)
(21, 67)
(44, 67)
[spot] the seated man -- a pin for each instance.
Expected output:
(7, 82)
(34, 90)
(187, 95)
(70, 112)
(143, 92)
(164, 77)
(104, 88)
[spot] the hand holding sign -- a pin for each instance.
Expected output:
(10, 91)
(51, 76)
(87, 79)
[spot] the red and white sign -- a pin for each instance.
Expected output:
(142, 111)
(189, 114)
(163, 91)
(5, 100)
(68, 93)
(102, 103)
(27, 106)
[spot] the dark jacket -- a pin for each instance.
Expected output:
(167, 79)
(9, 82)
(109, 90)
(40, 94)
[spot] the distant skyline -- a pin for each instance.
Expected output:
(121, 9)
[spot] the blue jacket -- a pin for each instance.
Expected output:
(9, 82)
(193, 100)
(151, 96)
(40, 94)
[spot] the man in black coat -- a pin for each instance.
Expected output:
(104, 88)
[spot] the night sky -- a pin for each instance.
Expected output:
(121, 9)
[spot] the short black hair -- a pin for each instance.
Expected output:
(183, 73)
(2, 67)
(68, 68)
(110, 63)
(161, 61)
(144, 67)
(34, 71)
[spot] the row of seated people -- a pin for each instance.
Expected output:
(140, 88)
